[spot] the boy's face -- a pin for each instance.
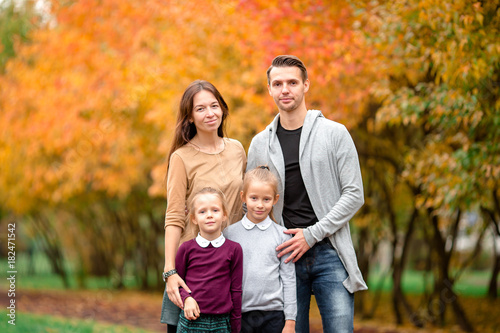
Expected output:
(287, 88)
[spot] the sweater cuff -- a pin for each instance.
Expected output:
(308, 237)
(184, 294)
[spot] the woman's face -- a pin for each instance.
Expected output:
(207, 112)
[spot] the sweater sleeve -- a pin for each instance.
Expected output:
(287, 276)
(236, 288)
(351, 191)
(176, 192)
(181, 260)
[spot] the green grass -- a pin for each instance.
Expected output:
(472, 283)
(36, 273)
(32, 323)
(51, 281)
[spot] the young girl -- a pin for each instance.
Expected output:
(269, 292)
(212, 266)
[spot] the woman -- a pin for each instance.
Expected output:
(201, 155)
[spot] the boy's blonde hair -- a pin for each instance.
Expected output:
(203, 191)
(262, 174)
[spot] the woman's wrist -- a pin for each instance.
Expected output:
(168, 273)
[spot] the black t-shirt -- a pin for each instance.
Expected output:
(297, 210)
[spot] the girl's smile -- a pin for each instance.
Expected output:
(259, 198)
(208, 215)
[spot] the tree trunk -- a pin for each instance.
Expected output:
(493, 285)
(364, 265)
(52, 247)
(443, 287)
(399, 266)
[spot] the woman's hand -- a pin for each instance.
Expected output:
(174, 282)
(191, 309)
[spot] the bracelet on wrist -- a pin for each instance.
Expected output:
(166, 275)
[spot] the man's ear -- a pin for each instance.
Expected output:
(307, 84)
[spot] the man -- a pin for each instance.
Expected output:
(320, 181)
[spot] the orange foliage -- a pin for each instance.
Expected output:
(90, 103)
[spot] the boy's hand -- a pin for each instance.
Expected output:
(289, 326)
(191, 309)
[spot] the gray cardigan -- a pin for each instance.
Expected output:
(330, 168)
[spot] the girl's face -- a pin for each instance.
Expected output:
(207, 112)
(259, 198)
(208, 215)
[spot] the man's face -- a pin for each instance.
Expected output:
(287, 88)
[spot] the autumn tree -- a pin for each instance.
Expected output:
(441, 63)
(87, 113)
(16, 20)
(88, 108)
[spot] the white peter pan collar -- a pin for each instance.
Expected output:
(215, 243)
(247, 224)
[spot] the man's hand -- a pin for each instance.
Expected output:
(297, 245)
(191, 309)
(174, 282)
(289, 326)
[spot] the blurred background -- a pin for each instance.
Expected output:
(89, 92)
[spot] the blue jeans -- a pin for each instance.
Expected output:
(320, 272)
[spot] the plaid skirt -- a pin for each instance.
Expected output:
(205, 323)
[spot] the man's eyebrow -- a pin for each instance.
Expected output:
(284, 80)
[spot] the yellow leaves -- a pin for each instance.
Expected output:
(97, 94)
(91, 95)
(158, 188)
(467, 20)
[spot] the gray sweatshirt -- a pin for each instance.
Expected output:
(268, 283)
(330, 168)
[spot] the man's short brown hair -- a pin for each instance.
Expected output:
(287, 61)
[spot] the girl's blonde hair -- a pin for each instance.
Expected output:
(207, 190)
(264, 175)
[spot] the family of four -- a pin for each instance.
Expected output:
(260, 236)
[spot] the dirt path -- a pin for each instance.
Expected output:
(125, 308)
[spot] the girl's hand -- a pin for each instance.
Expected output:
(174, 282)
(289, 326)
(191, 309)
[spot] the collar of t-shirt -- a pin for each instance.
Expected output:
(247, 224)
(215, 243)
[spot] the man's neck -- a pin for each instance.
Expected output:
(291, 120)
